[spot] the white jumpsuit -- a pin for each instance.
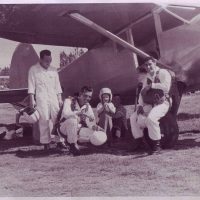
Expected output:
(71, 126)
(45, 85)
(152, 115)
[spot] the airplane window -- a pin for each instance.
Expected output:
(168, 21)
(187, 13)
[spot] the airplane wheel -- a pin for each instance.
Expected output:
(169, 130)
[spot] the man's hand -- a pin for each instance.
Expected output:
(32, 104)
(82, 117)
(148, 87)
(60, 103)
(32, 101)
(97, 128)
(140, 110)
(149, 81)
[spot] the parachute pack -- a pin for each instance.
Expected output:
(156, 96)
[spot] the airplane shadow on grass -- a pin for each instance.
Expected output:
(187, 144)
(123, 149)
(187, 116)
(92, 150)
(24, 147)
(119, 148)
(34, 153)
(193, 131)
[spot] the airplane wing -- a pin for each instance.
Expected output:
(13, 96)
(50, 24)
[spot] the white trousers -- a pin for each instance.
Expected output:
(139, 122)
(47, 120)
(71, 128)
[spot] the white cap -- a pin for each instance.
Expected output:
(105, 91)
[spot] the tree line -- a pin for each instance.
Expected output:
(5, 71)
(65, 59)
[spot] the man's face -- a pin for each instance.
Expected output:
(46, 61)
(85, 97)
(150, 67)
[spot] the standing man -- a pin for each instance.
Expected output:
(45, 94)
(149, 115)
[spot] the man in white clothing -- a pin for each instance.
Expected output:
(45, 94)
(149, 115)
(78, 120)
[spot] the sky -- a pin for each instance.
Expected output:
(8, 47)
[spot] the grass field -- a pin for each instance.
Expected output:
(27, 171)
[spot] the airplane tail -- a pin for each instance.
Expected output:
(23, 58)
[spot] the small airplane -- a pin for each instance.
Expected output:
(115, 46)
(118, 37)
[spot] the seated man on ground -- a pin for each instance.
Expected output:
(148, 115)
(78, 121)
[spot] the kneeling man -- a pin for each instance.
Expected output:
(149, 115)
(78, 121)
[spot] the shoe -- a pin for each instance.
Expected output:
(62, 146)
(137, 144)
(74, 150)
(2, 135)
(156, 149)
(46, 147)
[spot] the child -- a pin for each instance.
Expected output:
(119, 118)
(105, 110)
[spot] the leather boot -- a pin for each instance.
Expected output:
(46, 147)
(156, 149)
(137, 144)
(74, 149)
(62, 146)
(2, 135)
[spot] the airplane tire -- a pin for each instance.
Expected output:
(169, 130)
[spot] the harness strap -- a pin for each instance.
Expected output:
(60, 133)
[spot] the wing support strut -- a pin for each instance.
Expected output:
(108, 34)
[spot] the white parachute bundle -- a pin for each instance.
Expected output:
(98, 138)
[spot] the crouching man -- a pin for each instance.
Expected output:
(78, 121)
(156, 86)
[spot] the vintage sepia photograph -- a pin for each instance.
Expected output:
(100, 99)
